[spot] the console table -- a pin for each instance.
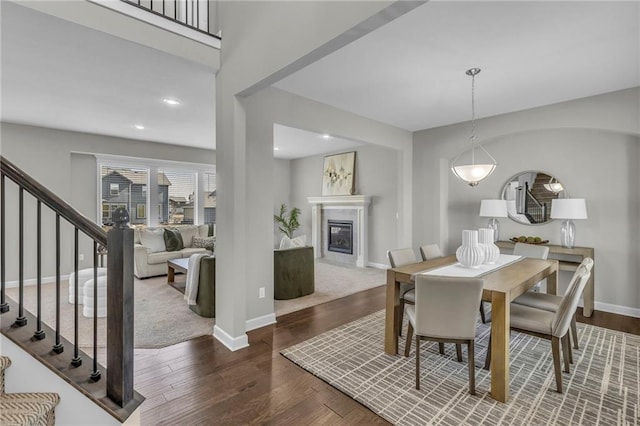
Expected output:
(569, 259)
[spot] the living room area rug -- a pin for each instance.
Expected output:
(602, 388)
(333, 280)
(161, 315)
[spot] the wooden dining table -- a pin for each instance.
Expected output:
(501, 286)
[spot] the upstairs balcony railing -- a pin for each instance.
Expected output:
(195, 14)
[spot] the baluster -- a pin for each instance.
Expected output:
(76, 361)
(21, 321)
(39, 333)
(4, 306)
(58, 347)
(95, 374)
(175, 9)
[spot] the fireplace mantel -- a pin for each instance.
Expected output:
(360, 203)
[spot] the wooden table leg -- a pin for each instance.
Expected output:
(170, 274)
(393, 304)
(500, 319)
(552, 282)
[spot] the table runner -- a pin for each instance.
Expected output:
(457, 270)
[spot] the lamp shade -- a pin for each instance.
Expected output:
(568, 208)
(493, 208)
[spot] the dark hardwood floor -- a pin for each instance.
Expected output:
(200, 382)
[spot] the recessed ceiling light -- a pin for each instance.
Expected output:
(171, 101)
(139, 126)
(326, 136)
(275, 148)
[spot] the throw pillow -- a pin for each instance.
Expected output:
(188, 232)
(153, 239)
(173, 239)
(204, 242)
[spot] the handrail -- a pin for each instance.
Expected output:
(54, 202)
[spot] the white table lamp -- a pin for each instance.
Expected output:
(493, 209)
(568, 209)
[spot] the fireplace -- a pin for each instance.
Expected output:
(353, 209)
(340, 236)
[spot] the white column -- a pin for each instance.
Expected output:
(316, 229)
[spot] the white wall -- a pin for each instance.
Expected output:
(264, 42)
(591, 145)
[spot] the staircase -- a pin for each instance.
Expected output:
(25, 408)
(109, 388)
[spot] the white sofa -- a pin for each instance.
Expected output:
(151, 255)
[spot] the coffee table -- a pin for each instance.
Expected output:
(173, 265)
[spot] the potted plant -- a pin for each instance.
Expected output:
(287, 223)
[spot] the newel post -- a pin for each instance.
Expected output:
(120, 309)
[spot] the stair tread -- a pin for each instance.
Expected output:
(28, 408)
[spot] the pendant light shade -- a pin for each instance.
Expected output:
(473, 173)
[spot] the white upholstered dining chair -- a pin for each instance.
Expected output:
(397, 258)
(553, 326)
(551, 302)
(430, 251)
(531, 250)
(439, 298)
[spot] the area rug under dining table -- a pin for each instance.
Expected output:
(602, 388)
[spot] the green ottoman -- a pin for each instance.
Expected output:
(293, 273)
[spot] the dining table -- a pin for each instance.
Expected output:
(501, 287)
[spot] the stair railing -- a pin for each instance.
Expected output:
(119, 244)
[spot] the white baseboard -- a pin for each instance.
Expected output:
(232, 343)
(377, 265)
(34, 281)
(262, 321)
(617, 309)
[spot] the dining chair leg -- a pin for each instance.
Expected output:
(459, 351)
(472, 367)
(555, 350)
(407, 345)
(417, 362)
(487, 360)
(441, 348)
(566, 352)
(574, 332)
(400, 317)
(482, 317)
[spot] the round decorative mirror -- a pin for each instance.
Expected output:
(529, 196)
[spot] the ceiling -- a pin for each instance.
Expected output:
(409, 73)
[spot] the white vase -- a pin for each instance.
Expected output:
(470, 254)
(485, 240)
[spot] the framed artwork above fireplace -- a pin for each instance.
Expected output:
(338, 174)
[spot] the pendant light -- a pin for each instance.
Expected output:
(473, 173)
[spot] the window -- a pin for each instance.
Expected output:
(183, 191)
(179, 188)
(141, 211)
(123, 187)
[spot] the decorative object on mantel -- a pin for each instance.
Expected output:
(485, 240)
(338, 174)
(568, 209)
(493, 209)
(470, 254)
(473, 173)
(529, 240)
